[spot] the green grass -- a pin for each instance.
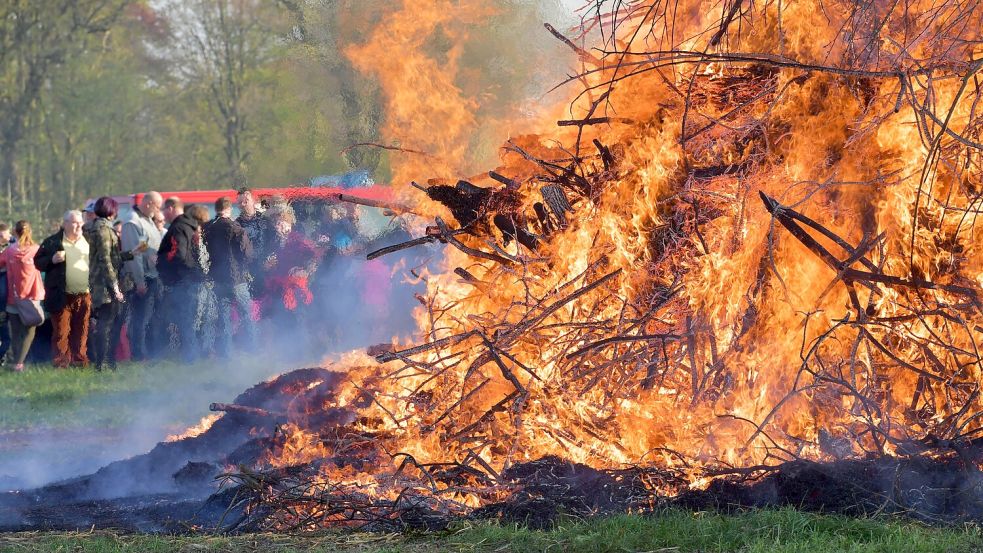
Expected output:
(44, 397)
(47, 397)
(759, 531)
(673, 531)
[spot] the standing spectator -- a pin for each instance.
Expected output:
(23, 282)
(5, 237)
(259, 230)
(181, 273)
(160, 326)
(142, 271)
(88, 216)
(230, 252)
(287, 290)
(200, 214)
(4, 329)
(206, 317)
(292, 260)
(64, 259)
(105, 264)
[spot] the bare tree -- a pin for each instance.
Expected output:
(222, 43)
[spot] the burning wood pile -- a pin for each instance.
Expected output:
(751, 244)
(747, 249)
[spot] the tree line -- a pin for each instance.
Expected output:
(115, 96)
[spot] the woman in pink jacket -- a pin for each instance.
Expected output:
(23, 282)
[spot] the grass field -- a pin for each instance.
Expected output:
(43, 396)
(754, 532)
(47, 397)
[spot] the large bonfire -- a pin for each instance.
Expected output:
(751, 238)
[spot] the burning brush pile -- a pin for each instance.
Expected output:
(743, 268)
(749, 247)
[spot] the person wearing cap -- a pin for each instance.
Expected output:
(88, 216)
(145, 330)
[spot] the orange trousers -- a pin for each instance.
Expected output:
(70, 331)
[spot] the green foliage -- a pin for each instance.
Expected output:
(38, 40)
(119, 96)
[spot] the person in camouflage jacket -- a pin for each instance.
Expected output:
(107, 260)
(105, 285)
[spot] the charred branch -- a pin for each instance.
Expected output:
(247, 410)
(368, 202)
(466, 202)
(592, 121)
(431, 237)
(584, 55)
(512, 231)
(510, 184)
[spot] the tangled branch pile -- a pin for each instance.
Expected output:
(752, 240)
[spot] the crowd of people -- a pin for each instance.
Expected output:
(170, 280)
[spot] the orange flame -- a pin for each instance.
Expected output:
(203, 425)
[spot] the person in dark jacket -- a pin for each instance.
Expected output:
(5, 240)
(64, 260)
(181, 273)
(206, 316)
(230, 252)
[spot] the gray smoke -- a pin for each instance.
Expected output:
(337, 320)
